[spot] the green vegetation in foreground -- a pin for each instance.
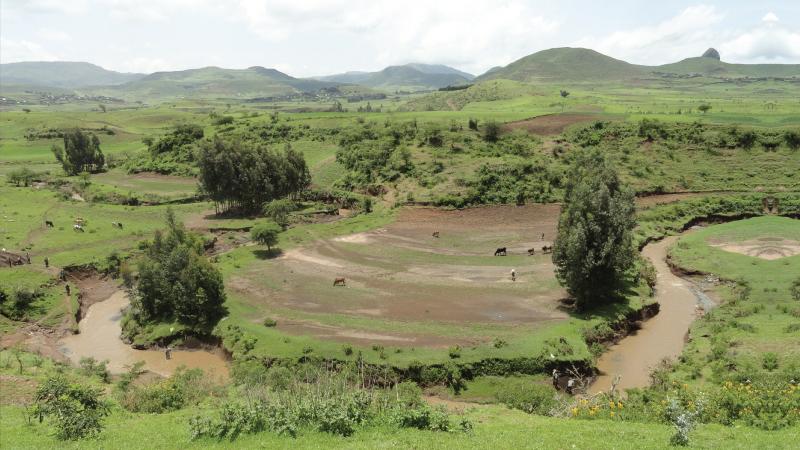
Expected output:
(158, 415)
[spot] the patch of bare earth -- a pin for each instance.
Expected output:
(764, 248)
(551, 124)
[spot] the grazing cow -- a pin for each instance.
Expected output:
(531, 251)
(339, 282)
(117, 225)
(500, 252)
(48, 223)
(78, 227)
(547, 249)
(436, 234)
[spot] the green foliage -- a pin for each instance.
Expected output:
(265, 233)
(185, 387)
(76, 410)
(92, 367)
(531, 398)
(244, 176)
(22, 176)
(491, 131)
(176, 282)
(594, 247)
(81, 152)
(278, 210)
(795, 289)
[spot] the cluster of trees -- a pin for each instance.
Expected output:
(243, 176)
(22, 176)
(594, 248)
(81, 152)
(176, 282)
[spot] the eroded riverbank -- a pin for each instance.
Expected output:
(99, 338)
(663, 336)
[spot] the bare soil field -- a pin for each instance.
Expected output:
(550, 124)
(403, 274)
(764, 248)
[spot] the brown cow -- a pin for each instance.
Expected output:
(339, 282)
(531, 251)
(436, 234)
(547, 249)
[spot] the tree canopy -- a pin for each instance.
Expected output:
(266, 233)
(81, 152)
(176, 282)
(594, 247)
(243, 175)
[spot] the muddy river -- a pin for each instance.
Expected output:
(662, 336)
(99, 338)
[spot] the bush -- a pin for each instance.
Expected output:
(91, 367)
(183, 388)
(270, 323)
(422, 417)
(279, 378)
(76, 410)
(531, 398)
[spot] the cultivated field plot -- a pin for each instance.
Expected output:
(409, 290)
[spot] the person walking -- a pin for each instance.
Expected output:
(513, 275)
(67, 289)
(46, 263)
(555, 378)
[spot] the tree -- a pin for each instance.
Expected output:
(594, 247)
(23, 176)
(81, 152)
(266, 233)
(176, 282)
(704, 108)
(278, 210)
(102, 107)
(242, 175)
(491, 131)
(76, 409)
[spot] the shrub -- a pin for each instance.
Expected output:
(531, 398)
(454, 352)
(422, 417)
(279, 378)
(91, 367)
(769, 361)
(76, 410)
(270, 323)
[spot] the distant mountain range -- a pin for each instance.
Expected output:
(412, 76)
(580, 64)
(62, 74)
(547, 66)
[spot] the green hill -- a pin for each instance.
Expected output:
(413, 77)
(714, 68)
(62, 74)
(580, 64)
(210, 82)
(570, 64)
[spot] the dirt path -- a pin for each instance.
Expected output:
(663, 336)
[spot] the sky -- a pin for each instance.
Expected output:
(318, 37)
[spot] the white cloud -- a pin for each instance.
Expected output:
(142, 65)
(54, 35)
(473, 35)
(770, 17)
(22, 50)
(682, 36)
(767, 43)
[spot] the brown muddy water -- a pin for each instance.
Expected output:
(662, 336)
(99, 338)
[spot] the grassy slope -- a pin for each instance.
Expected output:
(769, 280)
(495, 427)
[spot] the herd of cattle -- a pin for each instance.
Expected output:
(501, 251)
(79, 224)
